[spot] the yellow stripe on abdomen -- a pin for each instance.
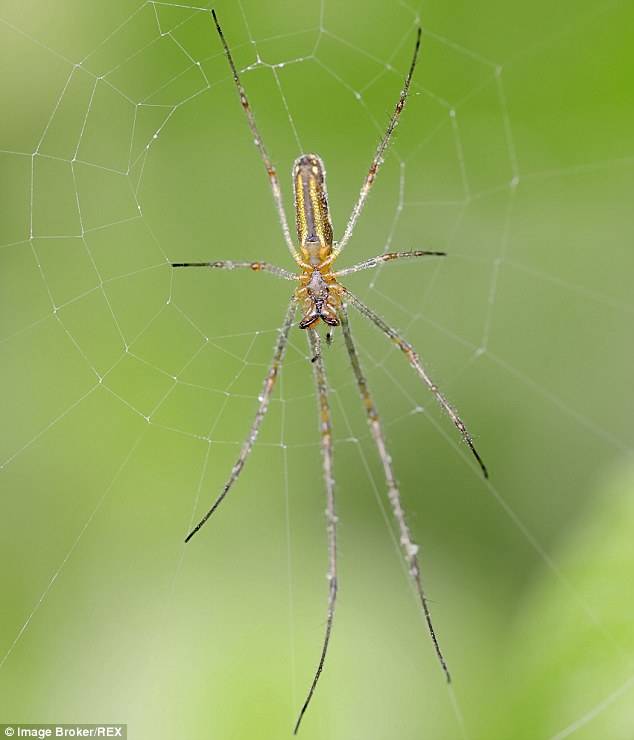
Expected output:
(314, 228)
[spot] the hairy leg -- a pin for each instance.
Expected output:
(257, 139)
(233, 265)
(325, 429)
(373, 262)
(378, 157)
(410, 550)
(415, 361)
(265, 397)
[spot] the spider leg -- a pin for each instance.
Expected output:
(410, 550)
(415, 361)
(257, 139)
(279, 272)
(378, 157)
(387, 257)
(264, 398)
(319, 374)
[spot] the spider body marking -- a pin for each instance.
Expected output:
(318, 293)
(322, 298)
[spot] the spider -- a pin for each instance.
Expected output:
(323, 299)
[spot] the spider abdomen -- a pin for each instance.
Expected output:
(314, 227)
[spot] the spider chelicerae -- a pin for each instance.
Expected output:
(323, 299)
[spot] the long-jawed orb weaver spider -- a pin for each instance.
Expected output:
(322, 298)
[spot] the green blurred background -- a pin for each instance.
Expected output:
(127, 390)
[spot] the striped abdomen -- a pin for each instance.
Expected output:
(314, 228)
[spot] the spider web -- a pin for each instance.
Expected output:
(128, 389)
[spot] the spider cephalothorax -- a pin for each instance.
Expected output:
(322, 298)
